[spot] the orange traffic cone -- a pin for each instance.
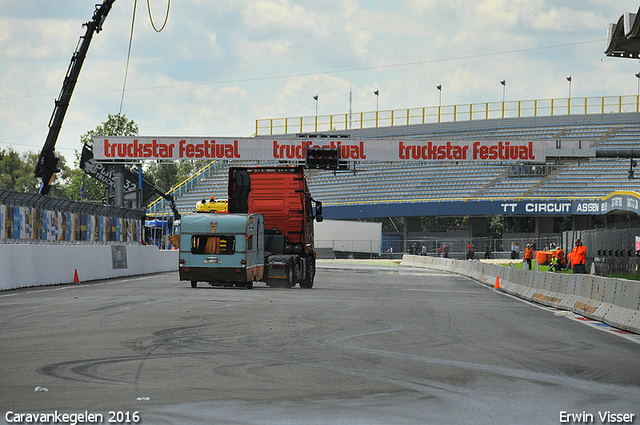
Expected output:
(497, 285)
(75, 277)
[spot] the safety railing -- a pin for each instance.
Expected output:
(449, 113)
(161, 206)
(36, 219)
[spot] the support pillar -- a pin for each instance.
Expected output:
(119, 185)
(411, 225)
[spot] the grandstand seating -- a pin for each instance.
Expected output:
(384, 182)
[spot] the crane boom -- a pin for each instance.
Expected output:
(47, 165)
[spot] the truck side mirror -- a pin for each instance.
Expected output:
(318, 216)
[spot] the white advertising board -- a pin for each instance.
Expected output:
(249, 148)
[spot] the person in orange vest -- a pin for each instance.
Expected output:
(558, 261)
(562, 262)
(579, 258)
(528, 255)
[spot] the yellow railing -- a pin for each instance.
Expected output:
(159, 206)
(450, 113)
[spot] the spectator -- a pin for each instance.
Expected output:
(562, 262)
(554, 264)
(445, 249)
(579, 258)
(528, 255)
(558, 261)
(533, 246)
(469, 251)
(487, 251)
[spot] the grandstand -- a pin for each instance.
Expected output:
(573, 184)
(569, 177)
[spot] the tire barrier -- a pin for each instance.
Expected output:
(615, 302)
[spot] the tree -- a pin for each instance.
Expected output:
(168, 174)
(115, 125)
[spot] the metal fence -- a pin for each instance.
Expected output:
(494, 248)
(450, 113)
(33, 218)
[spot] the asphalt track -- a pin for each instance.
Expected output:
(369, 344)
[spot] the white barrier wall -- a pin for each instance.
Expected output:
(23, 265)
(612, 301)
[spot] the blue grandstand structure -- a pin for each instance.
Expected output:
(574, 183)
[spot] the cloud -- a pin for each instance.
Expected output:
(219, 66)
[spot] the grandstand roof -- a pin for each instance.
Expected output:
(623, 37)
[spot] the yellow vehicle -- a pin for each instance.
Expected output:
(213, 206)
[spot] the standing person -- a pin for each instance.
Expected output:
(558, 261)
(579, 258)
(424, 250)
(513, 250)
(469, 251)
(528, 255)
(562, 262)
(445, 249)
(516, 250)
(487, 251)
(533, 246)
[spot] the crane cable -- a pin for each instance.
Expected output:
(166, 17)
(133, 20)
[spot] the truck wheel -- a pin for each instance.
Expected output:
(194, 283)
(307, 281)
(291, 273)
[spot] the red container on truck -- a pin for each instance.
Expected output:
(282, 196)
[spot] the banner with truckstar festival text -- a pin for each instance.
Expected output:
(263, 149)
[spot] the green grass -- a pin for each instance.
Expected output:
(542, 268)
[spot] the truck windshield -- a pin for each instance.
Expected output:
(207, 244)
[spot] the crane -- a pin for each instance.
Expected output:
(47, 165)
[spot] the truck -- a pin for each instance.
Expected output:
(266, 235)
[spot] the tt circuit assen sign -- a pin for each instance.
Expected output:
(262, 149)
(620, 200)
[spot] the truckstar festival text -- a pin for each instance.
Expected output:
(393, 150)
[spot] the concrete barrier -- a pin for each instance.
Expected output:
(612, 301)
(24, 265)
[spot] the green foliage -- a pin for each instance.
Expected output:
(167, 175)
(115, 125)
(16, 171)
(93, 189)
(496, 225)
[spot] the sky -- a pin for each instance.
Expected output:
(218, 65)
